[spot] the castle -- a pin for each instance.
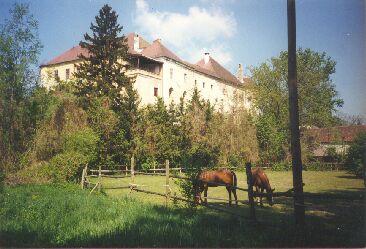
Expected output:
(159, 72)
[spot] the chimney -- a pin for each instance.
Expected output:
(206, 57)
(240, 74)
(136, 43)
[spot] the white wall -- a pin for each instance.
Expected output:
(220, 93)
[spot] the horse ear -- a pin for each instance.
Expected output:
(273, 189)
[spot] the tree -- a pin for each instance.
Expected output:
(356, 156)
(19, 50)
(101, 78)
(318, 98)
(102, 72)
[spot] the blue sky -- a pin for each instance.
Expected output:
(233, 31)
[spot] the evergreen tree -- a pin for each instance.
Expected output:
(102, 76)
(102, 72)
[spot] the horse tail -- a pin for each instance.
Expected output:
(235, 179)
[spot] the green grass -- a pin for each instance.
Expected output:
(63, 215)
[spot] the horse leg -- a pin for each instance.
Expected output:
(261, 202)
(236, 198)
(257, 191)
(205, 195)
(229, 190)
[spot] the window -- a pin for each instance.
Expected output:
(170, 91)
(67, 73)
(203, 84)
(171, 73)
(155, 91)
(195, 83)
(184, 94)
(211, 87)
(55, 74)
(185, 78)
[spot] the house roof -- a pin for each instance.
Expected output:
(218, 70)
(70, 55)
(335, 134)
(130, 41)
(154, 50)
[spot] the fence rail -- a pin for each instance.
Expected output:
(137, 188)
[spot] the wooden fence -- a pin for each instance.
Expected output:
(131, 173)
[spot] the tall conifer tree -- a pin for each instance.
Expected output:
(102, 75)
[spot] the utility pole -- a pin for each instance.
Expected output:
(299, 210)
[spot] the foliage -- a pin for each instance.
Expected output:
(101, 73)
(19, 50)
(356, 156)
(157, 138)
(101, 80)
(281, 166)
(318, 99)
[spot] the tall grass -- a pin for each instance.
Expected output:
(63, 215)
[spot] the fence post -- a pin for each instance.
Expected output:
(82, 179)
(100, 179)
(167, 186)
(248, 169)
(133, 169)
(126, 170)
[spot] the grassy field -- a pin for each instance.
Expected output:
(63, 215)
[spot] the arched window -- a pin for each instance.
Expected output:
(184, 94)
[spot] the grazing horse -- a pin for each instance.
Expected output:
(261, 182)
(214, 178)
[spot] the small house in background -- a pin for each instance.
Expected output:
(333, 140)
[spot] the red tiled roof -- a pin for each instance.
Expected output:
(130, 41)
(218, 70)
(73, 53)
(335, 134)
(156, 49)
(70, 55)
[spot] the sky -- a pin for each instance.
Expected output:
(249, 32)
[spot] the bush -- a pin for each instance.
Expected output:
(83, 141)
(148, 164)
(67, 166)
(356, 156)
(281, 166)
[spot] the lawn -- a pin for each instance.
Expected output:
(64, 215)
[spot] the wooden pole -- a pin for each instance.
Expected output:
(132, 169)
(100, 179)
(167, 186)
(299, 210)
(126, 170)
(248, 169)
(82, 178)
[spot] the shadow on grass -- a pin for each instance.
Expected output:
(351, 177)
(329, 223)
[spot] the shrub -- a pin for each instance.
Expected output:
(281, 166)
(149, 163)
(356, 156)
(67, 166)
(83, 141)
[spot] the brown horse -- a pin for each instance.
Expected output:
(261, 182)
(220, 177)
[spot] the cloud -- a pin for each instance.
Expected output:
(190, 34)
